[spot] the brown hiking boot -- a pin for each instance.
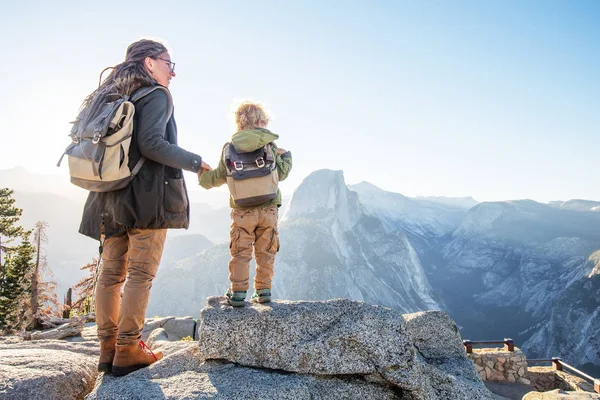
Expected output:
(131, 357)
(107, 354)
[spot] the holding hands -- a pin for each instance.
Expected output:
(203, 168)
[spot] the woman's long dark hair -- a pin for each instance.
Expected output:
(124, 79)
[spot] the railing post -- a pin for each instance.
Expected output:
(556, 363)
(509, 344)
(468, 346)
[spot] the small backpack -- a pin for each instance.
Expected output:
(252, 177)
(99, 154)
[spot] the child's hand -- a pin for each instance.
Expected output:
(280, 151)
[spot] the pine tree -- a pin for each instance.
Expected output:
(15, 290)
(9, 216)
(24, 295)
(15, 261)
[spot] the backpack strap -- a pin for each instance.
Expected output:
(227, 157)
(270, 150)
(66, 152)
(142, 92)
(137, 95)
(97, 157)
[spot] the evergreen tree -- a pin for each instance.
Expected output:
(14, 261)
(25, 297)
(9, 216)
(15, 290)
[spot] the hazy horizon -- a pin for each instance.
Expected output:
(216, 197)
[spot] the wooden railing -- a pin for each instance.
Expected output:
(509, 344)
(560, 365)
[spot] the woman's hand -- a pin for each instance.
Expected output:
(280, 151)
(203, 168)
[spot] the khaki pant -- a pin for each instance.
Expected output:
(253, 227)
(134, 255)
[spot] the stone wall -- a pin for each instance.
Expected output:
(542, 378)
(547, 378)
(497, 364)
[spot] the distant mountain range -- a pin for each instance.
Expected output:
(577, 205)
(517, 269)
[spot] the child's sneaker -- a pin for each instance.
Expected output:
(236, 299)
(261, 296)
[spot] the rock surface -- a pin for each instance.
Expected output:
(35, 373)
(184, 376)
(176, 328)
(559, 394)
(420, 355)
(159, 341)
(88, 348)
(74, 326)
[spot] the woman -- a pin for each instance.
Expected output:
(133, 221)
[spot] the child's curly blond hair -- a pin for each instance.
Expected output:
(250, 115)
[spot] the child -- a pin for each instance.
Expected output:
(251, 165)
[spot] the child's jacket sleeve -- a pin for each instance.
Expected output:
(214, 178)
(284, 164)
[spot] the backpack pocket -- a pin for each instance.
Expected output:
(101, 163)
(234, 238)
(175, 198)
(255, 191)
(274, 246)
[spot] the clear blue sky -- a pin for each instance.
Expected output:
(493, 99)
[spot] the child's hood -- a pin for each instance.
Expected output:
(252, 139)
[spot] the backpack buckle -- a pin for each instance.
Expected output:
(96, 138)
(260, 162)
(238, 165)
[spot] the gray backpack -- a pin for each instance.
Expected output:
(99, 153)
(252, 177)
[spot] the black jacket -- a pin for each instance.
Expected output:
(157, 197)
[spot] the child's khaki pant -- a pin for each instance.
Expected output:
(135, 255)
(258, 227)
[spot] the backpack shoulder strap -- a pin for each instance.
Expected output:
(142, 92)
(226, 156)
(137, 95)
(271, 150)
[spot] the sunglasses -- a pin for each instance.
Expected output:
(171, 64)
